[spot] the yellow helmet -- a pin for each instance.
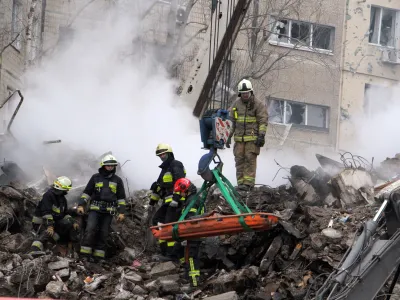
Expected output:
(62, 183)
(163, 148)
(109, 160)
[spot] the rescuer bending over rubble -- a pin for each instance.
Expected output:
(50, 220)
(250, 120)
(184, 193)
(171, 171)
(105, 197)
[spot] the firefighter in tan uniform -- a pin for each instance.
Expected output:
(250, 120)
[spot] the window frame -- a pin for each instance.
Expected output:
(273, 39)
(305, 125)
(396, 28)
(17, 24)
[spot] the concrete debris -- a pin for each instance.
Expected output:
(226, 296)
(58, 265)
(319, 215)
(163, 269)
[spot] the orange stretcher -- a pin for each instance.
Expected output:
(214, 225)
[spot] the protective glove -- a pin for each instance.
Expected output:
(184, 243)
(228, 142)
(120, 217)
(75, 226)
(80, 210)
(260, 142)
(173, 203)
(155, 187)
(50, 231)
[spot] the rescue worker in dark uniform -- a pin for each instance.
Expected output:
(171, 171)
(105, 196)
(184, 193)
(50, 219)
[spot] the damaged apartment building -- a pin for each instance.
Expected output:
(327, 62)
(318, 64)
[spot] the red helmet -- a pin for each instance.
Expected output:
(182, 185)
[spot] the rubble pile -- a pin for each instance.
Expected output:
(318, 220)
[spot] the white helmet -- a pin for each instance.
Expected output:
(62, 183)
(245, 86)
(109, 160)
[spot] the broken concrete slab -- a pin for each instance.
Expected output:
(353, 187)
(64, 274)
(169, 286)
(58, 265)
(152, 286)
(225, 296)
(54, 288)
(124, 295)
(132, 276)
(270, 254)
(163, 269)
(138, 290)
(291, 229)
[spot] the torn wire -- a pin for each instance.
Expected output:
(352, 161)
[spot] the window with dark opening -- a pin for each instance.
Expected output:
(296, 113)
(382, 26)
(302, 34)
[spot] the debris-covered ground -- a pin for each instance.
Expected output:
(319, 216)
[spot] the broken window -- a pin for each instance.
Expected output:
(382, 26)
(322, 37)
(290, 112)
(16, 24)
(302, 34)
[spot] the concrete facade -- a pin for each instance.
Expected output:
(302, 83)
(14, 54)
(319, 56)
(365, 60)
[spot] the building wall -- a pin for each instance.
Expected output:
(12, 60)
(363, 64)
(303, 75)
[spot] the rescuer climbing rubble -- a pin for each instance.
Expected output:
(51, 221)
(104, 196)
(171, 171)
(184, 193)
(250, 120)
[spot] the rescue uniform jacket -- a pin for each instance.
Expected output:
(249, 119)
(51, 208)
(105, 191)
(171, 171)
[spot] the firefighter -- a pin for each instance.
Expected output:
(104, 196)
(51, 220)
(171, 171)
(250, 120)
(184, 193)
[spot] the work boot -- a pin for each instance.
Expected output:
(244, 187)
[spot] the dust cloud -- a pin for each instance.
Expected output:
(103, 92)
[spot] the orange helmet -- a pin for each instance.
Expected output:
(182, 185)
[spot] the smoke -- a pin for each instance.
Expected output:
(375, 128)
(104, 93)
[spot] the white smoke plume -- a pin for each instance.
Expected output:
(376, 128)
(104, 93)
